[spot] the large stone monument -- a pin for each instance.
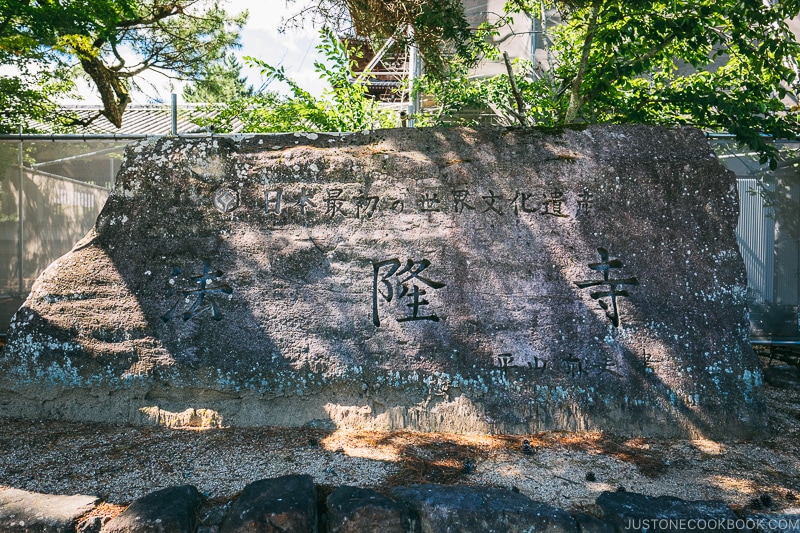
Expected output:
(442, 280)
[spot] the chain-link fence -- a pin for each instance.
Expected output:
(50, 195)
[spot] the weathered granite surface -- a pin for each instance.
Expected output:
(446, 280)
(24, 512)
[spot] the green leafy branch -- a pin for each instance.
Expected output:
(344, 106)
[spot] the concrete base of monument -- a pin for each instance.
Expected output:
(452, 280)
(143, 401)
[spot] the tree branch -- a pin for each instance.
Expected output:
(74, 121)
(119, 66)
(159, 13)
(113, 92)
(520, 114)
(576, 99)
(650, 54)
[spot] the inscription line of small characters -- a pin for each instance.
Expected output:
(570, 365)
(334, 202)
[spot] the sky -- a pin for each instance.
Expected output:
(295, 50)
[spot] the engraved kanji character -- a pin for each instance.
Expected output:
(552, 204)
(573, 366)
(333, 202)
(304, 201)
(273, 201)
(202, 287)
(585, 201)
(535, 365)
(504, 360)
(365, 205)
(382, 271)
(613, 291)
(492, 202)
(460, 200)
(607, 364)
(429, 201)
(520, 203)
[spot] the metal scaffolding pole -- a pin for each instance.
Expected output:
(414, 72)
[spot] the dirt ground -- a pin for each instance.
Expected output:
(568, 470)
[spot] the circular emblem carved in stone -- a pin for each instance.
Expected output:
(226, 200)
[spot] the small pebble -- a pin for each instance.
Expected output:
(467, 466)
(590, 476)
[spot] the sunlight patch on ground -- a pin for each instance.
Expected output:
(709, 447)
(732, 484)
(394, 446)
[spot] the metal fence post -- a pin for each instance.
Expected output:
(174, 129)
(20, 218)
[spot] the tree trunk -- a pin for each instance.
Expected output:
(113, 92)
(576, 97)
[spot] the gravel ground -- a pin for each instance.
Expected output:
(568, 470)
